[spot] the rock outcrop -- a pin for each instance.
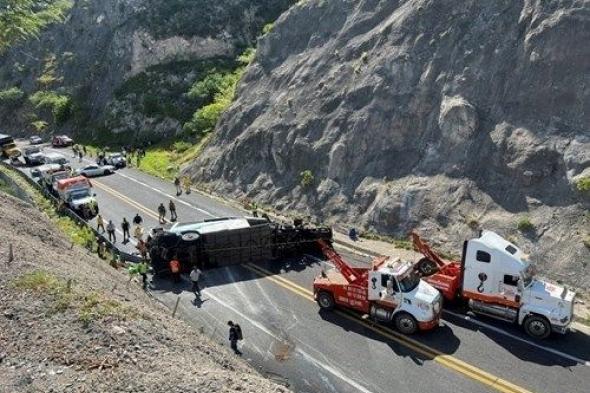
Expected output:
(447, 116)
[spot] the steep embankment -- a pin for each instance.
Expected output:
(69, 322)
(120, 70)
(446, 116)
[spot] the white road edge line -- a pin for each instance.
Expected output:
(320, 364)
(512, 336)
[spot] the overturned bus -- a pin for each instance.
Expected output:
(230, 241)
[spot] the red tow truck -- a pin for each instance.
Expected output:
(496, 279)
(389, 291)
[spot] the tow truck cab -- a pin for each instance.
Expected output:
(397, 286)
(389, 291)
(499, 280)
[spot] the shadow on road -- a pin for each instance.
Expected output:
(444, 336)
(235, 273)
(574, 343)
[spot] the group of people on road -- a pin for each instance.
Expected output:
(110, 228)
(182, 184)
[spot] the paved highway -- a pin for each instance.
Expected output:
(289, 339)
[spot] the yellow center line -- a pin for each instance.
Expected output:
(429, 352)
(444, 359)
(125, 199)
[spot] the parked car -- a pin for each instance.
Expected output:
(61, 141)
(55, 158)
(33, 156)
(117, 160)
(35, 140)
(95, 170)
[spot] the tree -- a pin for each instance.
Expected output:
(24, 19)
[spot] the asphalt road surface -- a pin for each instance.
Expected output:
(288, 339)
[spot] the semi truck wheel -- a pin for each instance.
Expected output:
(326, 301)
(537, 327)
(405, 323)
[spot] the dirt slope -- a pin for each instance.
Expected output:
(100, 335)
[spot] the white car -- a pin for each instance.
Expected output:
(95, 170)
(35, 140)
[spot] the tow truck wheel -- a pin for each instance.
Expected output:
(405, 323)
(326, 301)
(537, 327)
(426, 267)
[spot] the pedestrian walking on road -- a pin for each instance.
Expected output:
(186, 182)
(172, 208)
(137, 220)
(235, 334)
(80, 155)
(162, 213)
(111, 232)
(195, 276)
(177, 185)
(125, 226)
(175, 269)
(99, 223)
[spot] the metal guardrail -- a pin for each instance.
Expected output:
(122, 255)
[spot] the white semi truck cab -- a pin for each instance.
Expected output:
(499, 280)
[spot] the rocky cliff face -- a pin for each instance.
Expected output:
(447, 116)
(127, 64)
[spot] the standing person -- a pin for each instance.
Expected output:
(175, 269)
(102, 249)
(125, 226)
(172, 208)
(235, 334)
(177, 185)
(162, 213)
(137, 220)
(142, 269)
(80, 155)
(111, 232)
(99, 223)
(142, 248)
(186, 182)
(195, 276)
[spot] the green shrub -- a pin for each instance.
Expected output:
(220, 88)
(524, 224)
(586, 241)
(39, 125)
(60, 105)
(181, 146)
(247, 56)
(267, 28)
(306, 178)
(206, 88)
(583, 184)
(11, 96)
